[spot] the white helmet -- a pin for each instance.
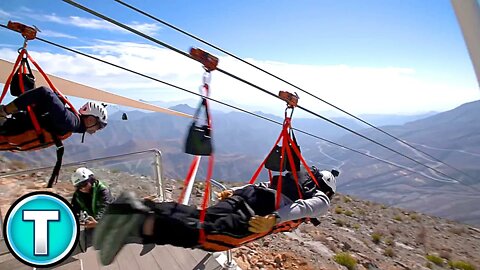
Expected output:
(81, 175)
(329, 179)
(95, 109)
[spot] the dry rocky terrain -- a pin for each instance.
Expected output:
(370, 234)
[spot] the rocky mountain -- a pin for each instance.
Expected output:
(355, 234)
(241, 142)
(452, 137)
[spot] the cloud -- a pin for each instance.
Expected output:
(4, 15)
(49, 33)
(146, 28)
(90, 23)
(356, 89)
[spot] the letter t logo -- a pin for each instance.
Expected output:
(40, 220)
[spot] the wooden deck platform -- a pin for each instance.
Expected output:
(161, 257)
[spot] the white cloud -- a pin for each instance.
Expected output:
(355, 89)
(90, 23)
(78, 21)
(49, 33)
(146, 28)
(4, 15)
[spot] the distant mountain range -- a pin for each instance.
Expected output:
(242, 141)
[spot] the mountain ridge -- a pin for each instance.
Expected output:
(242, 142)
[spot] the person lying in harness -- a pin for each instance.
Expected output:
(91, 196)
(242, 215)
(39, 118)
(51, 113)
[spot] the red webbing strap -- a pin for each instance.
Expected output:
(259, 169)
(206, 198)
(62, 97)
(195, 160)
(33, 118)
(270, 177)
(206, 195)
(188, 178)
(9, 79)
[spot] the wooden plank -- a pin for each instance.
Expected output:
(75, 265)
(206, 260)
(3, 247)
(164, 258)
(126, 260)
(183, 257)
(6, 257)
(69, 264)
(113, 266)
(89, 259)
(198, 254)
(14, 264)
(146, 261)
(161, 257)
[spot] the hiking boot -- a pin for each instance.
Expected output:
(121, 223)
(120, 230)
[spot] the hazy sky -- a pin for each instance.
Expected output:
(372, 56)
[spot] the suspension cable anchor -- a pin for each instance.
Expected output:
(208, 61)
(28, 32)
(291, 99)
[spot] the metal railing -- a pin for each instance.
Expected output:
(157, 165)
(1, 226)
(158, 171)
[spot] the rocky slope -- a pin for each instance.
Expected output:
(372, 235)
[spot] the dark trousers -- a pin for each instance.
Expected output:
(49, 110)
(179, 225)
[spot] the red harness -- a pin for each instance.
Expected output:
(37, 137)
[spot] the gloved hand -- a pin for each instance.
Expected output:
(3, 115)
(2, 110)
(224, 194)
(259, 224)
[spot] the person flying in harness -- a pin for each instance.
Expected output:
(241, 215)
(51, 113)
(91, 196)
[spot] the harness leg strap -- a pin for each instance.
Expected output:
(56, 170)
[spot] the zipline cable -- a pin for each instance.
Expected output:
(88, 10)
(232, 106)
(229, 105)
(288, 83)
(337, 124)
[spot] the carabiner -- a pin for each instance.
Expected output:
(291, 113)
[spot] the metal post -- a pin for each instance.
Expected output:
(158, 174)
(230, 263)
(192, 176)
